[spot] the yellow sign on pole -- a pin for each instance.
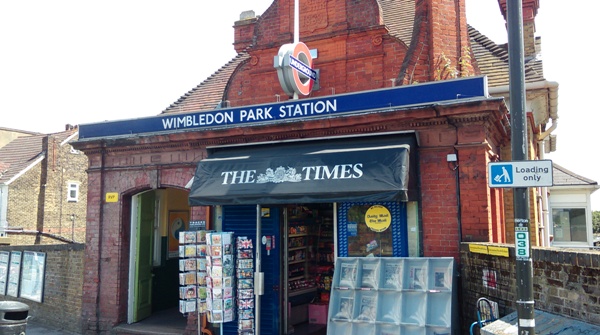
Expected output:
(112, 197)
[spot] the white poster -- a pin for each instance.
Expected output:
(4, 261)
(32, 275)
(14, 274)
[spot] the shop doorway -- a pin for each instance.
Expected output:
(309, 252)
(297, 252)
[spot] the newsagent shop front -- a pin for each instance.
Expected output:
(290, 204)
(300, 205)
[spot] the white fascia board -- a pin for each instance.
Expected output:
(68, 139)
(29, 167)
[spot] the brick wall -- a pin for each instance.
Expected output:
(62, 166)
(23, 203)
(105, 299)
(439, 211)
(61, 304)
(565, 282)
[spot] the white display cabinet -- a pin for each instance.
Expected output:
(391, 296)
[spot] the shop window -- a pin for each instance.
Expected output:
(372, 229)
(569, 225)
(73, 192)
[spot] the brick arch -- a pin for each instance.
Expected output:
(176, 177)
(137, 189)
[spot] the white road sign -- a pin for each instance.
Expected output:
(535, 173)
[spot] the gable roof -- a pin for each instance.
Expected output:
(563, 177)
(25, 152)
(399, 16)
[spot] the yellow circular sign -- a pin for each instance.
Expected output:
(378, 218)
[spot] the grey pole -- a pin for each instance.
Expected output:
(258, 278)
(524, 264)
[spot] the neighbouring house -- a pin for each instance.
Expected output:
(43, 189)
(570, 209)
(8, 134)
(409, 109)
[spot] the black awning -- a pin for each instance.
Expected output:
(370, 169)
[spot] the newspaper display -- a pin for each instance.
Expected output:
(391, 295)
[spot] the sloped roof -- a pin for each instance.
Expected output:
(208, 94)
(21, 152)
(563, 177)
(399, 17)
(12, 130)
(492, 60)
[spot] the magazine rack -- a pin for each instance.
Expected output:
(399, 296)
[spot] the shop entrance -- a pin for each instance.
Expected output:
(297, 253)
(308, 249)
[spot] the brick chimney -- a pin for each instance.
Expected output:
(442, 50)
(244, 30)
(530, 9)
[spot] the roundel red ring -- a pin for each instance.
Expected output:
(301, 52)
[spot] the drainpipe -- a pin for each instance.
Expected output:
(553, 107)
(552, 88)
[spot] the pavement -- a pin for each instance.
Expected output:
(35, 328)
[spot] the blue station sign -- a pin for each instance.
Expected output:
(295, 110)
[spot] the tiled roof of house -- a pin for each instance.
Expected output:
(21, 152)
(492, 60)
(208, 94)
(564, 177)
(26, 132)
(399, 16)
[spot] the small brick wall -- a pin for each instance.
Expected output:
(565, 282)
(61, 304)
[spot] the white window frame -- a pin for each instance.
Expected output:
(572, 199)
(72, 186)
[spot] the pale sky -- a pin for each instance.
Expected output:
(74, 61)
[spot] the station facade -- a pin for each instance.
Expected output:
(398, 119)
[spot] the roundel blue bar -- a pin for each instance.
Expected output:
(294, 65)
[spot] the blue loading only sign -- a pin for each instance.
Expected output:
(534, 173)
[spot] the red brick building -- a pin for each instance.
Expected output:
(140, 172)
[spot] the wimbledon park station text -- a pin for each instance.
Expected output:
(246, 115)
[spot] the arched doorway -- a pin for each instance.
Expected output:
(156, 218)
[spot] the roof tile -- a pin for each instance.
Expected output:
(22, 151)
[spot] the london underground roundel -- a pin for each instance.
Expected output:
(295, 69)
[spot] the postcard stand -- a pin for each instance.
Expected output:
(220, 280)
(391, 296)
(188, 272)
(245, 285)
